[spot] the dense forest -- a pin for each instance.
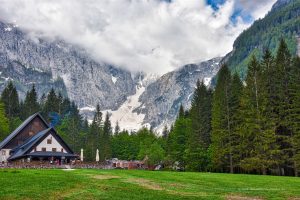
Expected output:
(250, 126)
(282, 22)
(241, 126)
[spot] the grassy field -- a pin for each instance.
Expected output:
(123, 184)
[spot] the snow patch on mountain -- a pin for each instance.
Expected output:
(114, 79)
(88, 108)
(207, 81)
(67, 80)
(8, 29)
(125, 115)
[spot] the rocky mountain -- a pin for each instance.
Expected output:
(157, 100)
(134, 100)
(63, 66)
(161, 100)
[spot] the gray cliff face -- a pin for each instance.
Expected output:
(24, 78)
(161, 100)
(54, 63)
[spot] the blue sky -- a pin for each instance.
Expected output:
(215, 3)
(238, 12)
(243, 8)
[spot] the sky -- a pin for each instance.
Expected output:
(154, 36)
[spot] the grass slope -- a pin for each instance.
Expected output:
(121, 184)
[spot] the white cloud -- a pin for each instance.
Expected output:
(256, 8)
(147, 35)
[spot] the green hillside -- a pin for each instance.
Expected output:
(282, 22)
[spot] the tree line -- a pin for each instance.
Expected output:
(250, 126)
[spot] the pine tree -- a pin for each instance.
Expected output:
(236, 90)
(106, 138)
(282, 99)
(31, 104)
(181, 112)
(168, 146)
(257, 137)
(222, 155)
(178, 138)
(199, 138)
(94, 136)
(85, 125)
(293, 117)
(43, 100)
(51, 104)
(117, 128)
(4, 125)
(10, 99)
(71, 128)
(66, 106)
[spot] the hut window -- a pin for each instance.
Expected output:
(49, 141)
(62, 150)
(3, 153)
(54, 149)
(43, 149)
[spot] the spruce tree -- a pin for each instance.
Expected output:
(10, 99)
(257, 137)
(293, 117)
(117, 128)
(222, 155)
(31, 104)
(181, 112)
(178, 139)
(106, 138)
(51, 104)
(94, 136)
(199, 138)
(282, 99)
(236, 90)
(4, 124)
(75, 126)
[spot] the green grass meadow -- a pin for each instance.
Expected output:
(138, 184)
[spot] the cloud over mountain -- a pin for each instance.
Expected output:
(148, 35)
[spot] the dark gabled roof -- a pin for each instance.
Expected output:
(28, 144)
(24, 149)
(20, 128)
